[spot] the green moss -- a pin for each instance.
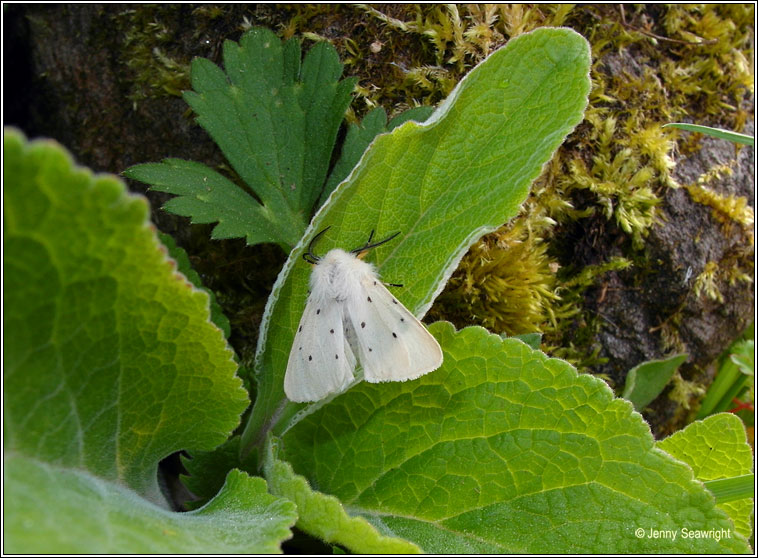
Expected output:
(621, 185)
(505, 283)
(148, 47)
(671, 62)
(707, 284)
(726, 209)
(683, 392)
(728, 270)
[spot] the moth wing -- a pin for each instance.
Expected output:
(391, 344)
(321, 361)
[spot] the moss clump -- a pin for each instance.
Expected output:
(727, 210)
(653, 64)
(506, 283)
(150, 52)
(621, 185)
(707, 284)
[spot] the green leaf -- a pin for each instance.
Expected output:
(64, 510)
(534, 340)
(417, 114)
(324, 102)
(183, 265)
(358, 138)
(324, 516)
(735, 372)
(717, 448)
(715, 132)
(442, 184)
(733, 488)
(646, 381)
(207, 470)
(501, 450)
(206, 196)
(110, 365)
(743, 356)
(275, 122)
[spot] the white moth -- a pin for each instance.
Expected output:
(350, 317)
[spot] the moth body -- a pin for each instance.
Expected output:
(338, 274)
(351, 317)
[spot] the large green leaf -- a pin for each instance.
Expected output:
(501, 450)
(716, 448)
(67, 511)
(110, 364)
(324, 516)
(441, 184)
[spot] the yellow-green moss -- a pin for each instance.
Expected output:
(506, 283)
(706, 283)
(683, 392)
(726, 209)
(621, 156)
(683, 62)
(149, 39)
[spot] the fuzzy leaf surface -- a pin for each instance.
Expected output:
(324, 516)
(443, 184)
(359, 137)
(110, 364)
(73, 512)
(502, 450)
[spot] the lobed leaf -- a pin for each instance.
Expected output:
(206, 196)
(275, 121)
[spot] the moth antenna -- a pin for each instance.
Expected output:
(309, 256)
(394, 284)
(369, 246)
